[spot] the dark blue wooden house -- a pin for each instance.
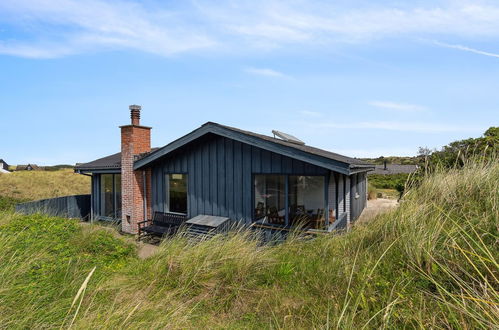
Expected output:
(224, 171)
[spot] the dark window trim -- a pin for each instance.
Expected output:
(286, 192)
(165, 203)
(115, 200)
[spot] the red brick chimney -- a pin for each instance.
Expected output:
(135, 185)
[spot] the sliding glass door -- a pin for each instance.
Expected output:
(110, 196)
(290, 199)
(107, 197)
(306, 200)
(270, 198)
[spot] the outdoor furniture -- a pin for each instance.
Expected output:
(317, 221)
(204, 227)
(259, 210)
(161, 224)
(276, 217)
(332, 218)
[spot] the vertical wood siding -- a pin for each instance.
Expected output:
(220, 175)
(332, 194)
(220, 179)
(358, 186)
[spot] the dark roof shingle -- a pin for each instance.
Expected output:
(312, 150)
(114, 161)
(394, 169)
(110, 162)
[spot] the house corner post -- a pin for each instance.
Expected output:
(367, 190)
(348, 197)
(327, 205)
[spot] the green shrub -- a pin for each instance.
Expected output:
(461, 152)
(387, 181)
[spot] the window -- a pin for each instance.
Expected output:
(290, 199)
(110, 195)
(176, 193)
(270, 198)
(306, 200)
(107, 198)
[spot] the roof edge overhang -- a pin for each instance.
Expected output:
(98, 170)
(361, 169)
(333, 165)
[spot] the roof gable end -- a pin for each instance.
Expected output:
(307, 154)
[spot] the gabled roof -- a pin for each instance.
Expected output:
(34, 167)
(316, 156)
(111, 163)
(105, 163)
(394, 169)
(309, 149)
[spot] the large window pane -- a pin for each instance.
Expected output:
(107, 198)
(110, 195)
(177, 193)
(306, 200)
(270, 198)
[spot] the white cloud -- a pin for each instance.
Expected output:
(266, 72)
(35, 51)
(58, 28)
(322, 22)
(402, 107)
(68, 27)
(467, 49)
(419, 127)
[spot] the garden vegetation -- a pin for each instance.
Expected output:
(33, 185)
(431, 263)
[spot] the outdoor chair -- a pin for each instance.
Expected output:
(162, 224)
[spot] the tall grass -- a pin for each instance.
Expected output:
(431, 263)
(32, 185)
(43, 262)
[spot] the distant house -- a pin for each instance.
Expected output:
(387, 169)
(29, 167)
(4, 165)
(222, 171)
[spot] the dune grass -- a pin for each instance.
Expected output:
(33, 185)
(42, 262)
(431, 263)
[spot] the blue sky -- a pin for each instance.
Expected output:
(362, 78)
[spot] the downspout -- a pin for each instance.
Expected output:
(144, 187)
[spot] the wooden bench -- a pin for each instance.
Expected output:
(161, 224)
